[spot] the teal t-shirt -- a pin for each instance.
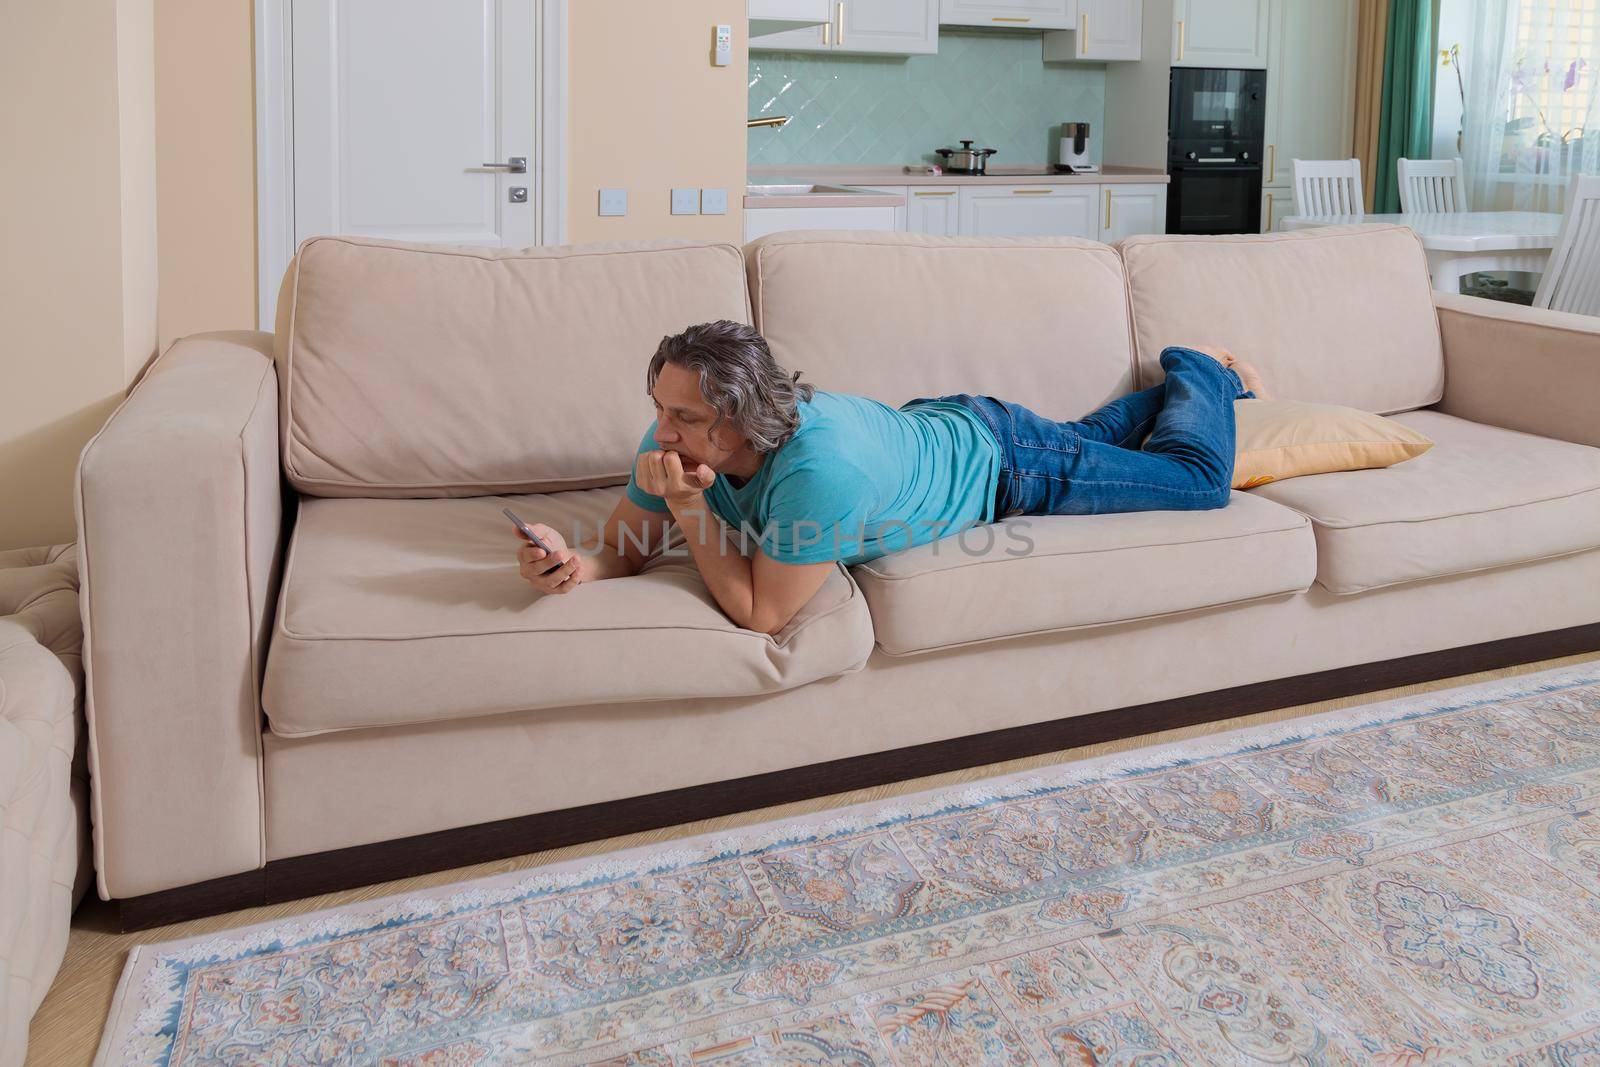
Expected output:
(858, 480)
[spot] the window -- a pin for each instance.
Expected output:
(1554, 63)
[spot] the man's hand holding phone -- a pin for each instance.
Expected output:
(545, 561)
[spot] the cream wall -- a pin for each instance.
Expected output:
(128, 185)
(646, 111)
(206, 165)
(77, 252)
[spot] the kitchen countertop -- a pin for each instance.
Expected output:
(1037, 174)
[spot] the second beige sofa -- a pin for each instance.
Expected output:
(307, 640)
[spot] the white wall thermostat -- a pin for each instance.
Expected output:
(722, 54)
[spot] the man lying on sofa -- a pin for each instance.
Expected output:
(816, 477)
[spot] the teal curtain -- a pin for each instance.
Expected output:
(1405, 121)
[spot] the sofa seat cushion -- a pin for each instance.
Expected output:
(407, 611)
(1038, 573)
(1481, 497)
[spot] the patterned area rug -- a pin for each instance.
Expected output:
(1402, 883)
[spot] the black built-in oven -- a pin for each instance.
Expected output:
(1216, 121)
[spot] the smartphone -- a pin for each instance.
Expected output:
(527, 531)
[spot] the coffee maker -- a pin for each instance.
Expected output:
(1075, 150)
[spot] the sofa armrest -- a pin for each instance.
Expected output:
(1521, 368)
(180, 528)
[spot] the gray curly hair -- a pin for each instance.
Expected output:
(739, 378)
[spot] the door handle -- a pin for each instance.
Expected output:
(840, 35)
(514, 165)
(1108, 209)
(1272, 162)
(1180, 40)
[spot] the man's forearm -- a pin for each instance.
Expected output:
(607, 562)
(727, 574)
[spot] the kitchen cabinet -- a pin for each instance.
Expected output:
(934, 211)
(1029, 14)
(1127, 209)
(1275, 204)
(1105, 30)
(1311, 70)
(877, 27)
(1030, 210)
(1222, 33)
(771, 16)
(758, 222)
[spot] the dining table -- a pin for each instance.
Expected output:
(1458, 243)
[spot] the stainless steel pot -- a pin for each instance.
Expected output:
(966, 159)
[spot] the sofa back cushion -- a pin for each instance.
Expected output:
(1333, 315)
(411, 370)
(1042, 321)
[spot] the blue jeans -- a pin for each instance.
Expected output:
(1096, 466)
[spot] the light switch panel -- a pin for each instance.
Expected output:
(613, 201)
(686, 201)
(713, 201)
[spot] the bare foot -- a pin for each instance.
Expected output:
(1251, 377)
(1221, 355)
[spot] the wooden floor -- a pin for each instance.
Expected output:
(66, 1030)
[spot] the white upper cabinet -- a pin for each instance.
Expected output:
(1311, 70)
(1222, 33)
(883, 27)
(1110, 29)
(1105, 30)
(1029, 14)
(805, 39)
(771, 16)
(899, 27)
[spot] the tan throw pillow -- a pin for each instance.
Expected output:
(1280, 439)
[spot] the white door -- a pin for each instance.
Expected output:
(406, 116)
(896, 27)
(1131, 209)
(1030, 211)
(1311, 69)
(1031, 14)
(1220, 33)
(1110, 29)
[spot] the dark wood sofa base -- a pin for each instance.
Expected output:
(324, 872)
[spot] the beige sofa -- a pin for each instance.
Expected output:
(311, 662)
(44, 781)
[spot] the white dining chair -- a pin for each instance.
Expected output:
(1432, 185)
(1328, 187)
(1571, 280)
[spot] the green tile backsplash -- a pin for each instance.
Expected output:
(991, 87)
